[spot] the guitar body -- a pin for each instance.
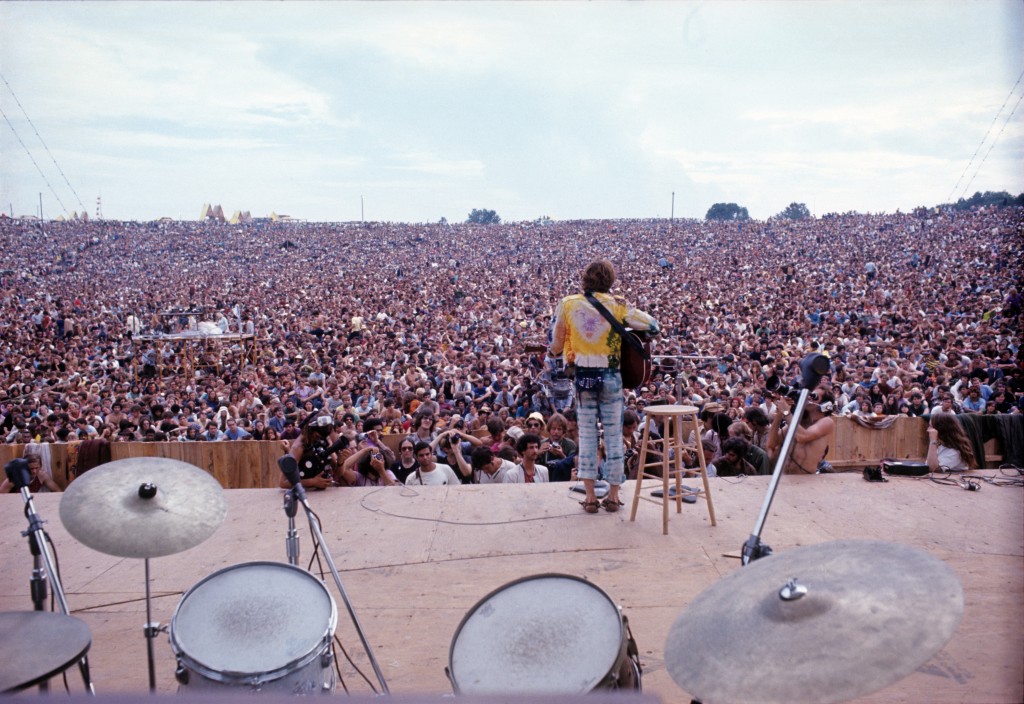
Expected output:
(636, 367)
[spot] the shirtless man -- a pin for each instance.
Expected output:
(812, 435)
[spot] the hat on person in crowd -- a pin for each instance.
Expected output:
(536, 416)
(485, 409)
(515, 432)
(714, 407)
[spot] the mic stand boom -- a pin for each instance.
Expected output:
(753, 548)
(299, 496)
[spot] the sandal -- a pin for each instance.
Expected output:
(590, 506)
(611, 505)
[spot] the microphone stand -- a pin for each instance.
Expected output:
(298, 496)
(42, 569)
(753, 549)
(291, 543)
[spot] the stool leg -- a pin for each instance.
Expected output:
(666, 472)
(704, 477)
(677, 461)
(641, 461)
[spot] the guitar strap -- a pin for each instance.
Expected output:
(618, 327)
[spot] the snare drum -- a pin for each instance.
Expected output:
(545, 634)
(263, 625)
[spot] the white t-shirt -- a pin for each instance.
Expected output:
(498, 477)
(949, 459)
(440, 476)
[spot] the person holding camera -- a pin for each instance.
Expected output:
(366, 468)
(812, 435)
(312, 452)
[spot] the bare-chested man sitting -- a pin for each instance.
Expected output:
(813, 434)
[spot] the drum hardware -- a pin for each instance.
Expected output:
(862, 615)
(298, 496)
(143, 507)
(44, 570)
(542, 635)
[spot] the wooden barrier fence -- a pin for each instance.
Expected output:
(253, 465)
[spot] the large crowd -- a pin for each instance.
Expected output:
(916, 312)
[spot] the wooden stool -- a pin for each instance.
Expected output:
(676, 424)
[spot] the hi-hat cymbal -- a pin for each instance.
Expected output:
(872, 614)
(108, 509)
(36, 645)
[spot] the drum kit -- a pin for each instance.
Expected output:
(818, 624)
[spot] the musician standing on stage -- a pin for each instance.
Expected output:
(588, 344)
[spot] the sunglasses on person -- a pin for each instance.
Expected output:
(533, 425)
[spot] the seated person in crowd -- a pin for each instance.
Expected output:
(41, 481)
(428, 472)
(557, 447)
(366, 468)
(812, 435)
(949, 449)
(527, 471)
(732, 462)
(754, 455)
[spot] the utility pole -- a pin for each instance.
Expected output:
(672, 217)
(40, 207)
(362, 210)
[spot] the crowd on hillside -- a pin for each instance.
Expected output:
(397, 321)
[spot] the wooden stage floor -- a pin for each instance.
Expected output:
(415, 562)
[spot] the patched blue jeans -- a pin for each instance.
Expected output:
(604, 404)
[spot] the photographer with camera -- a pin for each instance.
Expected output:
(312, 450)
(812, 436)
(451, 445)
(367, 468)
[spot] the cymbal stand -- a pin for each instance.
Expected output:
(150, 630)
(754, 548)
(299, 497)
(43, 570)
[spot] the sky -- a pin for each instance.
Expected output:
(417, 111)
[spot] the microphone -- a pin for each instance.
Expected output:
(18, 472)
(290, 469)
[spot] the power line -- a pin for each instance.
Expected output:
(46, 180)
(993, 144)
(60, 170)
(949, 198)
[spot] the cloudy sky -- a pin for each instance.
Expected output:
(423, 110)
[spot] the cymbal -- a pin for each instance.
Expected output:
(107, 508)
(872, 614)
(36, 645)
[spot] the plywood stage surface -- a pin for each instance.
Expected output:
(414, 562)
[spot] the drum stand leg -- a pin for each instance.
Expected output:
(43, 570)
(318, 536)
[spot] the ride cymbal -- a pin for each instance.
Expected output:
(143, 507)
(872, 613)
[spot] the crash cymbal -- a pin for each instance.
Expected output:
(143, 507)
(873, 613)
(36, 645)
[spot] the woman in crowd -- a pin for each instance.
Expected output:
(949, 450)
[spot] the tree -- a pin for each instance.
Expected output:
(796, 211)
(483, 217)
(727, 211)
(1001, 199)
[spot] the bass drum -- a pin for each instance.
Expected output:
(266, 626)
(545, 634)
